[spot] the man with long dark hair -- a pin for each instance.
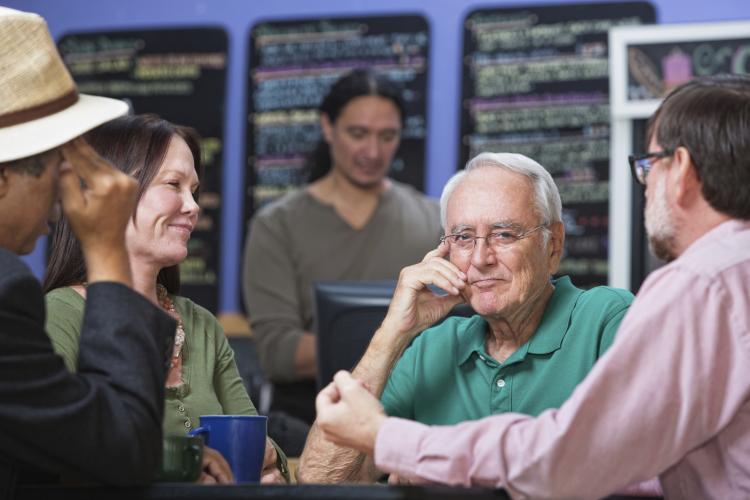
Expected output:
(350, 223)
(50, 419)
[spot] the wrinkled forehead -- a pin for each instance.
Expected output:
(489, 196)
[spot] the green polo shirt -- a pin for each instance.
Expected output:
(446, 376)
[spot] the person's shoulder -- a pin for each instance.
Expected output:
(64, 298)
(289, 202)
(12, 267)
(603, 302)
(64, 317)
(607, 295)
(717, 255)
(187, 308)
(445, 332)
(409, 192)
(184, 305)
(18, 286)
(64, 302)
(414, 202)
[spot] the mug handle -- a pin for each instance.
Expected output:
(196, 451)
(200, 431)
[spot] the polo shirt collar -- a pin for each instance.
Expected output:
(471, 339)
(548, 336)
(554, 324)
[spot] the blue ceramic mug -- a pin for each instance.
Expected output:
(241, 439)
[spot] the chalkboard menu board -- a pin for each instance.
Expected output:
(535, 82)
(292, 66)
(180, 75)
(656, 68)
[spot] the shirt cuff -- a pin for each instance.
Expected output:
(397, 446)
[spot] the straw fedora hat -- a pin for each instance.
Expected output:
(40, 108)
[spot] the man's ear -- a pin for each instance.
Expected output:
(326, 127)
(5, 178)
(555, 246)
(684, 178)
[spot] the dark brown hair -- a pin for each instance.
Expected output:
(358, 83)
(710, 117)
(136, 145)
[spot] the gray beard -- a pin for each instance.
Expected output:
(659, 224)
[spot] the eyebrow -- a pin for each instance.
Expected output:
(502, 224)
(507, 225)
(365, 128)
(172, 171)
(460, 228)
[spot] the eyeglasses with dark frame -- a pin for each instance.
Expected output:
(497, 240)
(640, 165)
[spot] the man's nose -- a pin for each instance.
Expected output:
(482, 254)
(372, 148)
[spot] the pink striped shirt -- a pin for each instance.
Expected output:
(669, 398)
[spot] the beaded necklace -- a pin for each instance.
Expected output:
(179, 338)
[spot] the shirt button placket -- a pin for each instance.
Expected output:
(500, 393)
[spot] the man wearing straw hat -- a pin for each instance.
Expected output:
(104, 423)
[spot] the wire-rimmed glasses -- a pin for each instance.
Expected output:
(498, 239)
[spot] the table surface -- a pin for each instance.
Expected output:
(307, 492)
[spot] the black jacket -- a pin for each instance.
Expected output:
(103, 423)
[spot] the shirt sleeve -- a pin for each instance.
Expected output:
(398, 395)
(230, 390)
(62, 422)
(64, 328)
(649, 401)
(271, 298)
(611, 325)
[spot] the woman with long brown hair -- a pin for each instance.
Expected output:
(203, 377)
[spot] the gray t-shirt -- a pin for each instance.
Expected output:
(298, 240)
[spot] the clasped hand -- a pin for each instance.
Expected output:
(348, 414)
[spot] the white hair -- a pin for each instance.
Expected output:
(546, 196)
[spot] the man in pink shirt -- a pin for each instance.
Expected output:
(672, 395)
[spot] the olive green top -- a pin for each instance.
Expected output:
(212, 384)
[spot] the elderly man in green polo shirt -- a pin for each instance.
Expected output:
(532, 340)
